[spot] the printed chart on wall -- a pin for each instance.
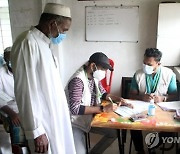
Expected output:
(112, 23)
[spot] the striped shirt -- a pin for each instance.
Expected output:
(75, 88)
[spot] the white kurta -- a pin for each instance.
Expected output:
(39, 92)
(6, 98)
(7, 89)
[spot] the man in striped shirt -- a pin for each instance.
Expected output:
(84, 93)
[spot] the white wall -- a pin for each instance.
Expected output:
(168, 33)
(127, 56)
(23, 14)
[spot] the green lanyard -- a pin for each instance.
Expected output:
(152, 83)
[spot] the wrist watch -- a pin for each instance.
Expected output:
(102, 108)
(165, 98)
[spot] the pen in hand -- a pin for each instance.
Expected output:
(114, 106)
(110, 100)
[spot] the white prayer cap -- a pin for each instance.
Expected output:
(57, 9)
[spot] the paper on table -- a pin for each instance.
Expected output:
(169, 106)
(139, 107)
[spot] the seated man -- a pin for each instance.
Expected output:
(84, 93)
(152, 82)
(8, 106)
(7, 87)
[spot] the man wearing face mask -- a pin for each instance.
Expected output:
(84, 93)
(40, 96)
(153, 81)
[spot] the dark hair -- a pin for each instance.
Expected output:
(47, 17)
(153, 52)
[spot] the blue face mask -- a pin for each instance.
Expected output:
(148, 69)
(58, 39)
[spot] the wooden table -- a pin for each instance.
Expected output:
(162, 121)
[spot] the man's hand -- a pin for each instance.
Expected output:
(128, 105)
(14, 118)
(123, 102)
(110, 107)
(158, 99)
(41, 144)
(12, 114)
(147, 97)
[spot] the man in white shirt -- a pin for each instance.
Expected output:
(8, 106)
(7, 98)
(40, 96)
(153, 81)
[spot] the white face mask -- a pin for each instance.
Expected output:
(99, 74)
(148, 69)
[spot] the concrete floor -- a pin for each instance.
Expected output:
(5, 147)
(113, 149)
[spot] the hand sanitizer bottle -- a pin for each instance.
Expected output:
(151, 108)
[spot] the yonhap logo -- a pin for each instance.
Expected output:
(152, 139)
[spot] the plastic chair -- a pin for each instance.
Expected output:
(107, 81)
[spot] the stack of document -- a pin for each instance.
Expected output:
(139, 107)
(169, 106)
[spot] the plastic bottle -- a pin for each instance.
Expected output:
(151, 108)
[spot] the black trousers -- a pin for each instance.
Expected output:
(137, 139)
